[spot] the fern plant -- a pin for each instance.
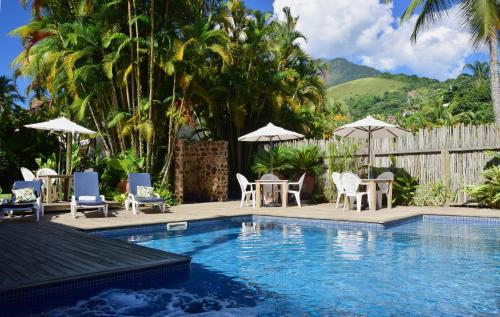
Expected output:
(488, 193)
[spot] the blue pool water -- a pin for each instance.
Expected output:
(435, 266)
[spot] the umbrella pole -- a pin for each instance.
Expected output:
(69, 145)
(369, 152)
(271, 156)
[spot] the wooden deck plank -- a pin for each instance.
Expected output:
(34, 254)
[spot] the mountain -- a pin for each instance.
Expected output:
(340, 70)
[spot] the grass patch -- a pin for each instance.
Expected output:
(364, 87)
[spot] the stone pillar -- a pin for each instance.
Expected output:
(201, 171)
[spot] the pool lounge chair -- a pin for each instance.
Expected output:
(141, 179)
(245, 192)
(86, 186)
(36, 206)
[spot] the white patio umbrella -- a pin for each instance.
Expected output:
(66, 126)
(369, 128)
(270, 133)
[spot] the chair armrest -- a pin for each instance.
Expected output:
(73, 199)
(102, 198)
(251, 185)
(157, 195)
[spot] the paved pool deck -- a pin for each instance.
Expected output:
(188, 212)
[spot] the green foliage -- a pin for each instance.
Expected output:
(126, 163)
(403, 188)
(262, 160)
(488, 193)
(49, 162)
(306, 159)
(289, 161)
(432, 195)
(341, 158)
(166, 194)
(118, 197)
(117, 168)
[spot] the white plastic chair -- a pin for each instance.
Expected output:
(245, 193)
(296, 193)
(351, 183)
(47, 172)
(340, 188)
(268, 189)
(27, 174)
(383, 187)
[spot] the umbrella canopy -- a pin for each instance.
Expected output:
(61, 125)
(369, 128)
(66, 126)
(270, 133)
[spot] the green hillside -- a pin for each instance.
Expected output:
(340, 70)
(364, 87)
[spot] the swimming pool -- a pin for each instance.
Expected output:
(263, 266)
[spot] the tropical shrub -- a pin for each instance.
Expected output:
(436, 194)
(117, 169)
(403, 188)
(165, 193)
(306, 159)
(488, 193)
(341, 157)
(119, 197)
(262, 160)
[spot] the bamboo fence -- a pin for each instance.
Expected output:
(454, 156)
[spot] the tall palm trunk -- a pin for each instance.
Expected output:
(138, 76)
(150, 97)
(495, 77)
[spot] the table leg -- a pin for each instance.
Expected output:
(284, 195)
(66, 189)
(389, 196)
(258, 197)
(48, 190)
(372, 199)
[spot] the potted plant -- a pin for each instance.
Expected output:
(124, 164)
(261, 162)
(309, 160)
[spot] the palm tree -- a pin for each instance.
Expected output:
(481, 18)
(479, 70)
(8, 94)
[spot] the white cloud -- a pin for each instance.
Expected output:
(366, 31)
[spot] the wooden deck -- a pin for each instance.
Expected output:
(35, 254)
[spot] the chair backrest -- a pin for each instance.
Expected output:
(301, 181)
(268, 177)
(350, 182)
(337, 180)
(27, 174)
(88, 170)
(384, 187)
(243, 181)
(35, 184)
(138, 179)
(46, 172)
(86, 184)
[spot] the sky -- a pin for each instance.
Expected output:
(366, 32)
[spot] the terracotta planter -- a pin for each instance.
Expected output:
(123, 186)
(308, 186)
